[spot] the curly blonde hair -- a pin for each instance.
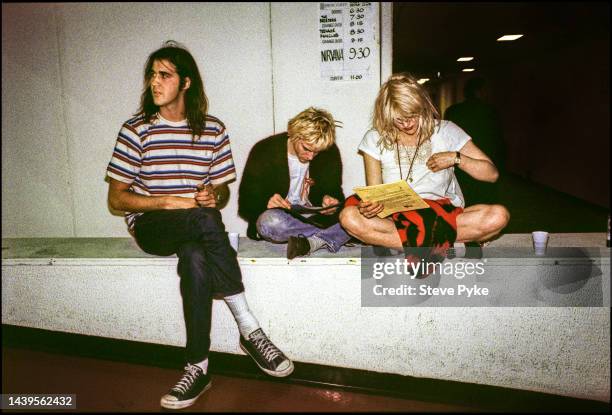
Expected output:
(402, 97)
(314, 126)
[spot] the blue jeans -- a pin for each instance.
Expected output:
(276, 225)
(207, 264)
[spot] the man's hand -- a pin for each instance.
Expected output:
(370, 209)
(329, 201)
(205, 197)
(277, 201)
(441, 161)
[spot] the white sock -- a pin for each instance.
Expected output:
(203, 365)
(315, 243)
(247, 323)
(459, 249)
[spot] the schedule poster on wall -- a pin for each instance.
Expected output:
(347, 31)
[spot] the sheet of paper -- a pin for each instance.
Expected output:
(396, 197)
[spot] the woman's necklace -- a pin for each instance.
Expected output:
(399, 160)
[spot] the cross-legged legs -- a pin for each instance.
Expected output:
(276, 225)
(480, 223)
(373, 231)
(207, 266)
(477, 223)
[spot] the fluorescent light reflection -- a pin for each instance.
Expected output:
(507, 38)
(465, 59)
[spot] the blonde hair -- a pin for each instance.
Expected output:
(314, 126)
(401, 97)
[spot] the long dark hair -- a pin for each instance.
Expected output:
(196, 103)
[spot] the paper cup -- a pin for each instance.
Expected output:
(234, 238)
(540, 241)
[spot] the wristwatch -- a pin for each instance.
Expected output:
(457, 159)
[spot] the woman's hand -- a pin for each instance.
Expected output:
(441, 161)
(370, 209)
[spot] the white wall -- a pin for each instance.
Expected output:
(72, 73)
(298, 84)
(36, 175)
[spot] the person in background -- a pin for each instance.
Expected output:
(480, 121)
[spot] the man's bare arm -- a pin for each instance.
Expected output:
(120, 198)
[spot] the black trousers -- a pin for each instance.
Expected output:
(207, 264)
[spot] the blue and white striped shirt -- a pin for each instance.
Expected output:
(159, 158)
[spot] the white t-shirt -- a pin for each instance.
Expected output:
(297, 173)
(429, 185)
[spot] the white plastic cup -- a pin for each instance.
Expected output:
(234, 238)
(540, 241)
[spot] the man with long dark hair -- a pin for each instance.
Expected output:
(169, 173)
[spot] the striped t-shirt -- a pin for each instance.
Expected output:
(159, 158)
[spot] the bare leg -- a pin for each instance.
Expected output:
(374, 231)
(480, 223)
(477, 223)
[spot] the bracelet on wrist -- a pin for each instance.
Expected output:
(457, 159)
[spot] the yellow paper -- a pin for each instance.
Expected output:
(395, 197)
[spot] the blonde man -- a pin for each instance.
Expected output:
(409, 142)
(300, 167)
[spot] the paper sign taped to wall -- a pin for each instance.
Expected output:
(347, 33)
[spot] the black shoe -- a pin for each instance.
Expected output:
(193, 384)
(473, 250)
(381, 251)
(266, 354)
(297, 246)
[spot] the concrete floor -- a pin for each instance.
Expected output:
(536, 207)
(108, 386)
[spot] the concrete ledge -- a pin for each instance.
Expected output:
(311, 307)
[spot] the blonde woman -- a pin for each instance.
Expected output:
(410, 142)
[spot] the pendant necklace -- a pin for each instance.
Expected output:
(399, 161)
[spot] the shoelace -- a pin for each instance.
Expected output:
(191, 374)
(265, 346)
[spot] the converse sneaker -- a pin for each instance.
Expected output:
(266, 354)
(193, 384)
